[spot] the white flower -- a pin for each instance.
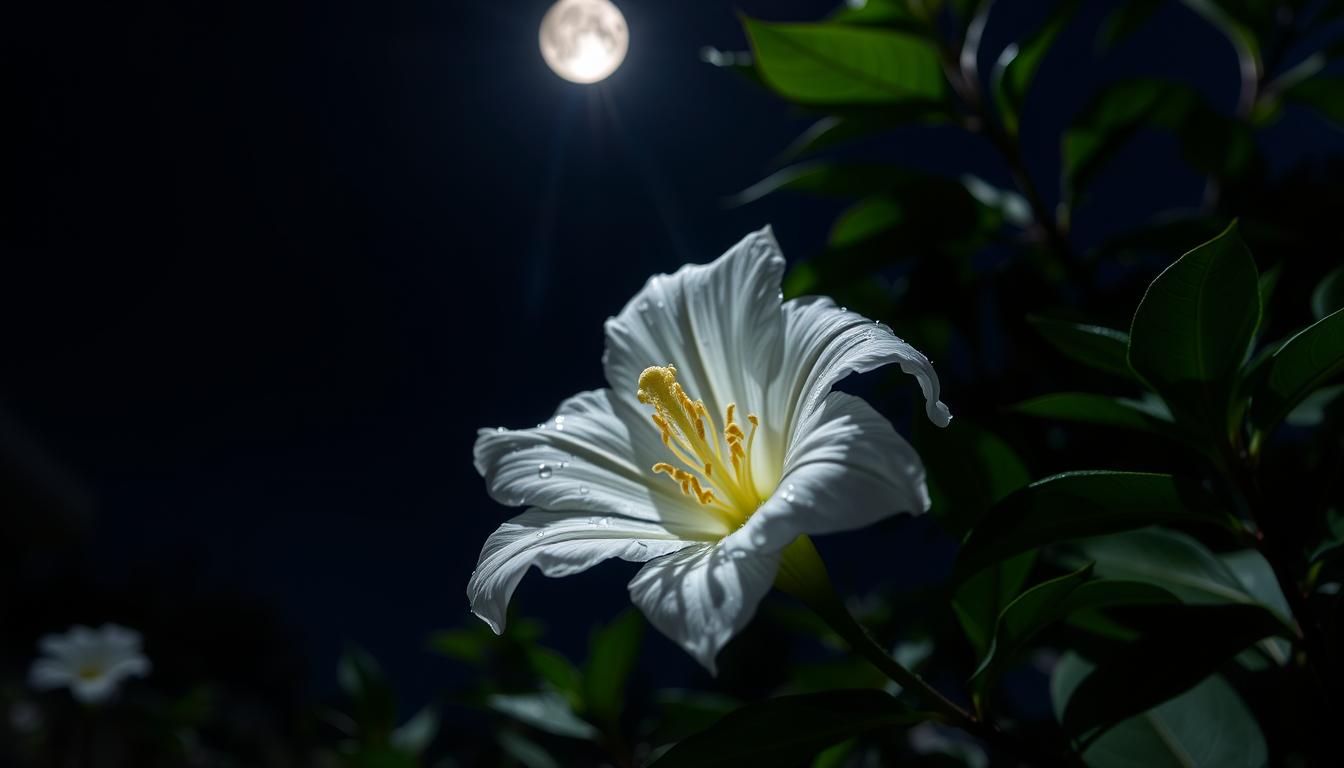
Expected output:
(718, 444)
(92, 663)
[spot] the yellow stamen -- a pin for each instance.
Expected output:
(689, 432)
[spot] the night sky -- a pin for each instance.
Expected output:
(266, 270)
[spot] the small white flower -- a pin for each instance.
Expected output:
(92, 663)
(718, 444)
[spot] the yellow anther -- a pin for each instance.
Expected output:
(688, 430)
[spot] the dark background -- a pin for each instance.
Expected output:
(267, 268)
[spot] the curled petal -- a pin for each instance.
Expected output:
(847, 468)
(702, 596)
(824, 343)
(559, 545)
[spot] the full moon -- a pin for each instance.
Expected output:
(584, 41)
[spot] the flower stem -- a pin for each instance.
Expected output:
(802, 575)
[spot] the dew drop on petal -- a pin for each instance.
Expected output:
(788, 493)
(844, 309)
(500, 430)
(544, 471)
(583, 489)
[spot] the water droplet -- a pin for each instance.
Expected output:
(560, 423)
(541, 533)
(780, 296)
(500, 430)
(605, 522)
(788, 493)
(544, 471)
(660, 304)
(642, 546)
(844, 309)
(583, 489)
(562, 467)
(643, 305)
(541, 425)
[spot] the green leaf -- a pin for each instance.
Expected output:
(1017, 65)
(527, 752)
(1325, 95)
(546, 711)
(612, 653)
(1096, 409)
(1333, 542)
(819, 64)
(1185, 644)
(466, 645)
(362, 681)
(982, 597)
(1192, 330)
(790, 729)
(415, 735)
(1183, 566)
(1047, 603)
(1208, 725)
(969, 470)
(1077, 504)
(1329, 294)
(1303, 364)
(557, 671)
(1210, 141)
(1104, 349)
(1127, 18)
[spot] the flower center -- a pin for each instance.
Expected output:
(716, 469)
(90, 672)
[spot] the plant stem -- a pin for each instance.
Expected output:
(803, 576)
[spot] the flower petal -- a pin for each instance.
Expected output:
(47, 674)
(702, 596)
(560, 545)
(823, 344)
(718, 323)
(95, 690)
(585, 459)
(847, 468)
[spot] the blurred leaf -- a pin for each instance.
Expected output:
(683, 712)
(847, 124)
(837, 756)
(612, 653)
(546, 711)
(1329, 294)
(1104, 349)
(1047, 603)
(1205, 726)
(1325, 95)
(837, 64)
(1193, 327)
(1211, 142)
(1333, 542)
(379, 757)
(1017, 65)
(466, 645)
(1012, 206)
(1184, 645)
(557, 670)
(525, 751)
(1314, 408)
(1124, 20)
(1077, 504)
(415, 735)
(1303, 364)
(865, 220)
(1096, 409)
(362, 681)
(790, 729)
(883, 13)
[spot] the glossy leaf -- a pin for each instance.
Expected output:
(372, 700)
(1193, 327)
(1300, 366)
(415, 735)
(1104, 349)
(1101, 410)
(1207, 726)
(981, 598)
(1077, 504)
(819, 64)
(1184, 645)
(1017, 65)
(1180, 564)
(612, 653)
(1049, 602)
(790, 729)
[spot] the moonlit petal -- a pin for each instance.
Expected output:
(134, 665)
(47, 674)
(847, 468)
(559, 545)
(585, 459)
(823, 344)
(94, 690)
(702, 596)
(719, 324)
